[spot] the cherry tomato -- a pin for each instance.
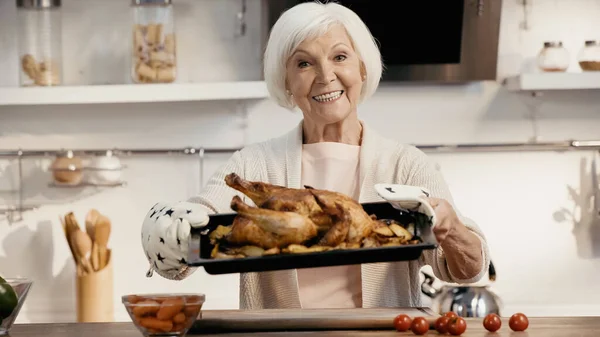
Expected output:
(419, 326)
(492, 322)
(441, 324)
(457, 326)
(518, 322)
(402, 322)
(451, 314)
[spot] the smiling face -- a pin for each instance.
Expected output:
(325, 77)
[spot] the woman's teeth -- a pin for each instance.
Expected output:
(329, 97)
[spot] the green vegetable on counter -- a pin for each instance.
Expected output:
(8, 299)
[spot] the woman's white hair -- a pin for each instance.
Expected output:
(311, 20)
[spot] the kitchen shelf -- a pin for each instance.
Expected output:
(87, 184)
(133, 93)
(554, 81)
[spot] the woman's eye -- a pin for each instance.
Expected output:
(302, 64)
(340, 57)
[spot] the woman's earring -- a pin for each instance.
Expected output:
(364, 77)
(289, 93)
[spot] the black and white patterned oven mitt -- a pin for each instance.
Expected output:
(407, 198)
(165, 235)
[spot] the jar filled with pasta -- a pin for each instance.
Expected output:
(153, 42)
(39, 42)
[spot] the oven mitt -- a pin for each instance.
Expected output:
(408, 198)
(165, 234)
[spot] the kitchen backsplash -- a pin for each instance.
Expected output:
(546, 264)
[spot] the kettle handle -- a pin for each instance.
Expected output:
(492, 271)
(427, 285)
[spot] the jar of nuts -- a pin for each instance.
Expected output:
(39, 42)
(589, 56)
(153, 42)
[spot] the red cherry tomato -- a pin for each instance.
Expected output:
(419, 326)
(402, 322)
(457, 326)
(441, 324)
(518, 322)
(492, 322)
(451, 314)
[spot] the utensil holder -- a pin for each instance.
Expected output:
(95, 295)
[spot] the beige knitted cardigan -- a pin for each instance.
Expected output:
(278, 161)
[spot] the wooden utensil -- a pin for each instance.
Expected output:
(90, 222)
(82, 245)
(95, 256)
(64, 226)
(103, 228)
(90, 227)
(71, 226)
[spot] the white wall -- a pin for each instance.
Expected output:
(545, 266)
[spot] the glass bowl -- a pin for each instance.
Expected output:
(21, 287)
(164, 314)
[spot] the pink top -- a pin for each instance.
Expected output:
(331, 166)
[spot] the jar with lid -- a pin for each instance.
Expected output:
(589, 56)
(39, 42)
(67, 168)
(153, 42)
(105, 169)
(553, 57)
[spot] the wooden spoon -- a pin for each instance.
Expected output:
(90, 228)
(82, 244)
(95, 256)
(103, 228)
(64, 227)
(70, 226)
(90, 223)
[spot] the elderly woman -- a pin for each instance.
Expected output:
(322, 59)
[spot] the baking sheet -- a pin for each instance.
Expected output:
(200, 248)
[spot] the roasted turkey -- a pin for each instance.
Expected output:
(351, 223)
(269, 228)
(279, 198)
(293, 219)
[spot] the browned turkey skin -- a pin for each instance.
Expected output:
(290, 220)
(279, 198)
(293, 215)
(268, 228)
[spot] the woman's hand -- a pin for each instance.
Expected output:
(461, 246)
(446, 218)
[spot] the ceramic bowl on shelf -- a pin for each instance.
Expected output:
(13, 292)
(164, 314)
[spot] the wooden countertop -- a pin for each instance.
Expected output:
(538, 327)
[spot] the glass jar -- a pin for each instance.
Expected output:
(105, 170)
(67, 169)
(589, 56)
(39, 42)
(553, 57)
(153, 44)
